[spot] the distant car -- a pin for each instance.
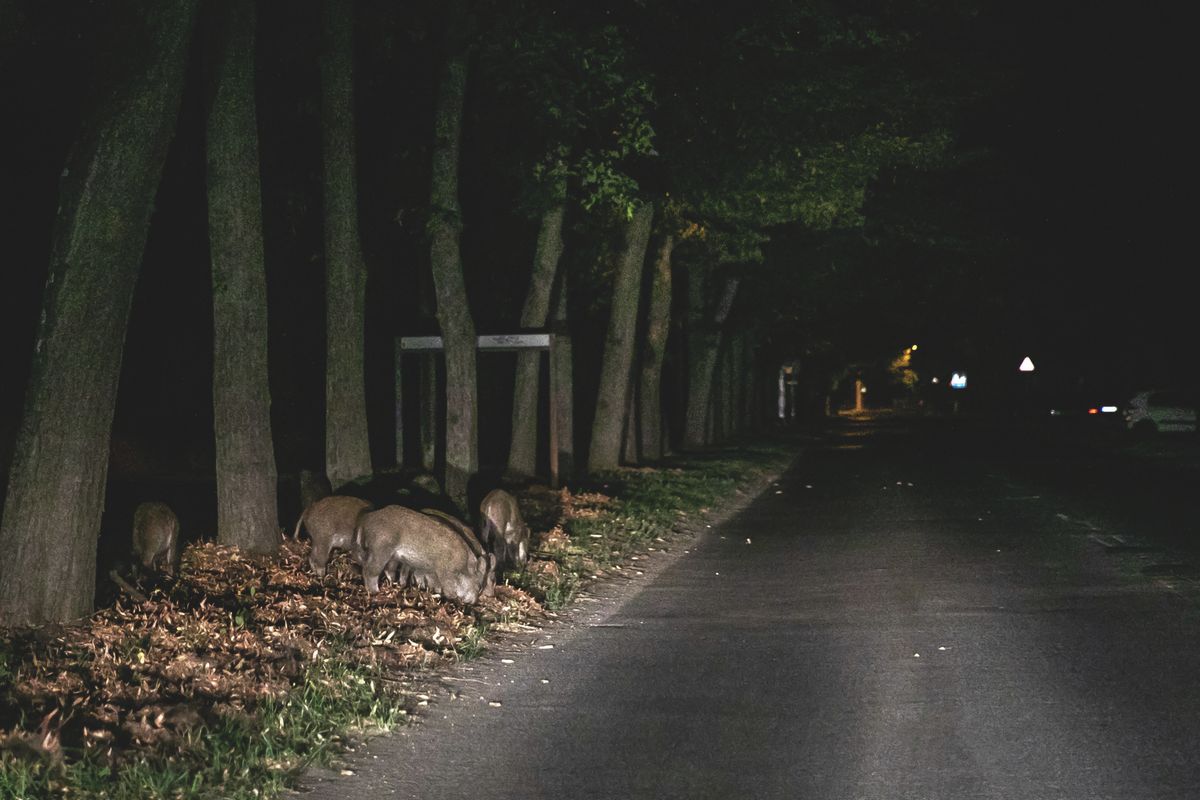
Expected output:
(1089, 409)
(1160, 411)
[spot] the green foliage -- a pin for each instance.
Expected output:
(587, 103)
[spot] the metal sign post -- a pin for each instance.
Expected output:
(492, 344)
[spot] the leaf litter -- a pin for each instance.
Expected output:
(231, 631)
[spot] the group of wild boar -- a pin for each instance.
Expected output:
(427, 549)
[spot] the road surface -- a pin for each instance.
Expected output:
(905, 615)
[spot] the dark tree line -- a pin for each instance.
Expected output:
(645, 156)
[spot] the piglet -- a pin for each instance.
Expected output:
(503, 530)
(156, 536)
(330, 523)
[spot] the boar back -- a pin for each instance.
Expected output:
(424, 550)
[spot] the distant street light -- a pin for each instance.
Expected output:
(1026, 365)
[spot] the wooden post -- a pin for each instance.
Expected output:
(490, 343)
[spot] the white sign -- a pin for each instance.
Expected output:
(512, 341)
(1026, 365)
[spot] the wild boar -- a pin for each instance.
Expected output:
(156, 536)
(330, 523)
(313, 486)
(459, 527)
(424, 550)
(401, 574)
(503, 530)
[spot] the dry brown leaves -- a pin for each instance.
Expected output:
(583, 504)
(231, 630)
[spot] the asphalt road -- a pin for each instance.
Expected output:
(909, 613)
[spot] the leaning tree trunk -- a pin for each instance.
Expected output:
(704, 343)
(347, 448)
(522, 453)
(453, 313)
(56, 483)
(617, 365)
(247, 515)
(658, 325)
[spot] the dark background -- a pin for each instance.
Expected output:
(1079, 201)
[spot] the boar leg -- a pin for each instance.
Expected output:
(375, 564)
(396, 572)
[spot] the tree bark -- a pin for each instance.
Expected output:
(733, 377)
(55, 493)
(562, 381)
(453, 312)
(629, 441)
(616, 367)
(704, 342)
(247, 514)
(522, 452)
(427, 385)
(658, 326)
(347, 448)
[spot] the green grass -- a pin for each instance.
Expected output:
(253, 755)
(470, 646)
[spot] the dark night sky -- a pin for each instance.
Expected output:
(1091, 169)
(1098, 134)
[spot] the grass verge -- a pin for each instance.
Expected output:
(253, 754)
(233, 679)
(627, 512)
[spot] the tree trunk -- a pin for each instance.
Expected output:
(629, 441)
(55, 494)
(658, 325)
(562, 382)
(617, 364)
(247, 514)
(453, 313)
(704, 342)
(522, 453)
(733, 377)
(347, 449)
(716, 431)
(746, 373)
(427, 385)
